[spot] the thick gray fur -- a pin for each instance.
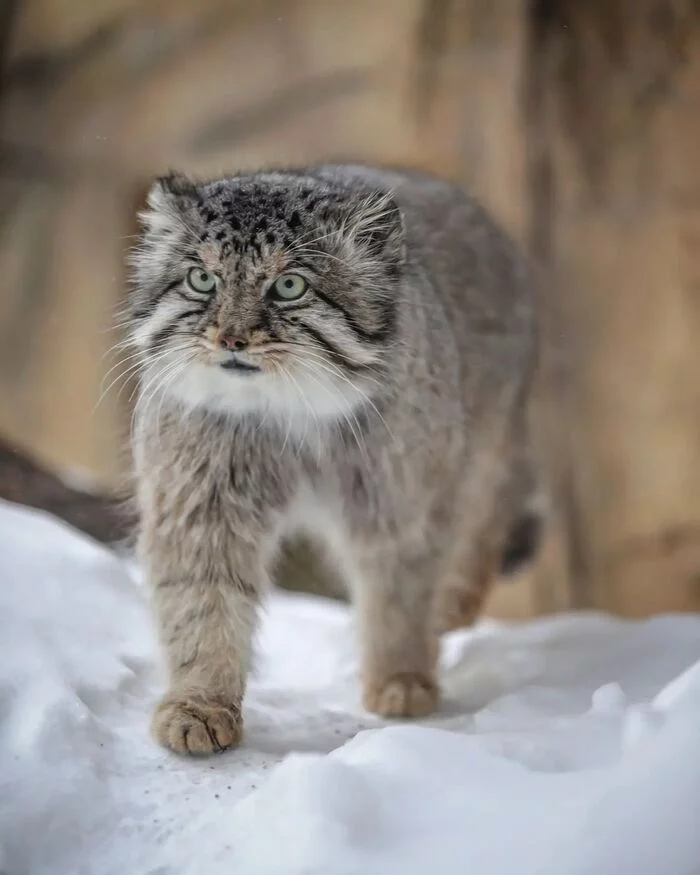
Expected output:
(387, 418)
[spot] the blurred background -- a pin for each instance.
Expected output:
(577, 122)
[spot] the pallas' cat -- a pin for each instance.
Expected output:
(337, 350)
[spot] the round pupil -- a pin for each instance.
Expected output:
(289, 283)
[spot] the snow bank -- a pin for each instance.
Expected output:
(567, 746)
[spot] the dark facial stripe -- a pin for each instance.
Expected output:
(164, 333)
(291, 306)
(335, 354)
(164, 291)
(263, 322)
(195, 311)
(369, 336)
(194, 297)
(264, 326)
(205, 303)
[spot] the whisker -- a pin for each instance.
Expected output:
(304, 241)
(139, 354)
(160, 381)
(317, 352)
(346, 416)
(167, 383)
(318, 252)
(367, 398)
(306, 404)
(121, 375)
(289, 418)
(140, 362)
(143, 390)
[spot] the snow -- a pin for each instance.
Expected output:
(565, 746)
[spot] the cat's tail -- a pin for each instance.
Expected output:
(524, 536)
(526, 508)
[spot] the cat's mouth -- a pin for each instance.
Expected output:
(235, 363)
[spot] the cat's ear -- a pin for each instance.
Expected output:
(167, 190)
(166, 201)
(379, 227)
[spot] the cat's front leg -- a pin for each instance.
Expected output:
(207, 587)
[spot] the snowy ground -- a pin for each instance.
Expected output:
(564, 747)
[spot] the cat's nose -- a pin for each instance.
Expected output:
(233, 342)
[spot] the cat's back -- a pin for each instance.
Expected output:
(472, 262)
(434, 209)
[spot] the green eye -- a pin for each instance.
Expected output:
(289, 287)
(200, 280)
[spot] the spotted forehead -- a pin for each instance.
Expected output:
(246, 216)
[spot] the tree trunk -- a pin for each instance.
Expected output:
(23, 481)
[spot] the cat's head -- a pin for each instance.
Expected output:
(274, 292)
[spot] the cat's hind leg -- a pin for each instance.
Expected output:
(394, 603)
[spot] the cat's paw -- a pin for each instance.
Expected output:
(403, 695)
(196, 723)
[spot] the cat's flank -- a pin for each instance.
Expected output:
(338, 350)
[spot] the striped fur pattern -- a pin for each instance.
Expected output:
(381, 411)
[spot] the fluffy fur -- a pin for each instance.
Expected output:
(383, 413)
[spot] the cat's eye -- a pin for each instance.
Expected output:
(200, 280)
(288, 287)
